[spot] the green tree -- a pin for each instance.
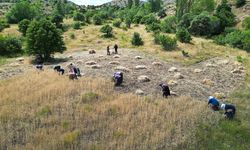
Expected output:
(137, 2)
(78, 16)
(130, 3)
(183, 7)
(169, 24)
(23, 26)
(3, 24)
(21, 10)
(97, 20)
(246, 23)
(108, 30)
(155, 5)
(168, 43)
(137, 40)
(183, 35)
(203, 5)
(224, 12)
(128, 22)
(43, 38)
(201, 25)
(10, 46)
(77, 25)
(57, 19)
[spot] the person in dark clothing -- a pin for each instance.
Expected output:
(116, 48)
(165, 90)
(118, 78)
(230, 110)
(214, 103)
(59, 69)
(39, 67)
(108, 51)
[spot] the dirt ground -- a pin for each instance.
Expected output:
(211, 76)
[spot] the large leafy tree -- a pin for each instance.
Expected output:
(21, 10)
(183, 7)
(203, 5)
(43, 38)
(154, 5)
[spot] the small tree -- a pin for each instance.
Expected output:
(169, 24)
(97, 20)
(108, 30)
(128, 22)
(77, 25)
(117, 23)
(137, 40)
(246, 23)
(10, 46)
(43, 38)
(168, 43)
(3, 24)
(201, 25)
(23, 26)
(78, 17)
(183, 35)
(57, 19)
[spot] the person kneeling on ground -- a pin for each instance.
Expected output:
(118, 78)
(214, 103)
(59, 70)
(165, 90)
(230, 110)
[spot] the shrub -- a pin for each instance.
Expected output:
(169, 24)
(117, 23)
(21, 10)
(162, 13)
(185, 21)
(44, 112)
(137, 19)
(77, 25)
(201, 25)
(57, 19)
(10, 46)
(183, 35)
(107, 29)
(216, 27)
(71, 138)
(157, 38)
(240, 3)
(168, 43)
(23, 26)
(149, 19)
(72, 36)
(224, 12)
(246, 23)
(3, 24)
(128, 22)
(155, 27)
(220, 40)
(234, 39)
(97, 20)
(137, 40)
(78, 17)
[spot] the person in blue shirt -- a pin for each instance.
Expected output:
(230, 110)
(118, 78)
(214, 103)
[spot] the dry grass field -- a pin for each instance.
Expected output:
(41, 110)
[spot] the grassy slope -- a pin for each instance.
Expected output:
(69, 114)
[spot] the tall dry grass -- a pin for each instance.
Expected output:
(47, 111)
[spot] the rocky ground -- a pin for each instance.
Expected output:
(143, 73)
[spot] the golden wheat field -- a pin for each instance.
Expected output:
(42, 110)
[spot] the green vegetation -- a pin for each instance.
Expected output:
(137, 40)
(117, 23)
(3, 24)
(49, 41)
(108, 30)
(240, 3)
(246, 23)
(77, 25)
(183, 35)
(23, 26)
(10, 46)
(168, 25)
(168, 43)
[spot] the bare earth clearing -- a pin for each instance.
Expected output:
(218, 76)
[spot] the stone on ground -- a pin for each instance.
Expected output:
(95, 66)
(172, 82)
(178, 76)
(138, 57)
(92, 51)
(139, 92)
(208, 82)
(237, 71)
(114, 63)
(173, 93)
(211, 65)
(116, 56)
(157, 64)
(143, 78)
(197, 70)
(139, 67)
(172, 69)
(223, 62)
(90, 63)
(122, 68)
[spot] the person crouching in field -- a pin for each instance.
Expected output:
(108, 50)
(72, 72)
(214, 103)
(59, 69)
(39, 67)
(230, 110)
(118, 78)
(165, 90)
